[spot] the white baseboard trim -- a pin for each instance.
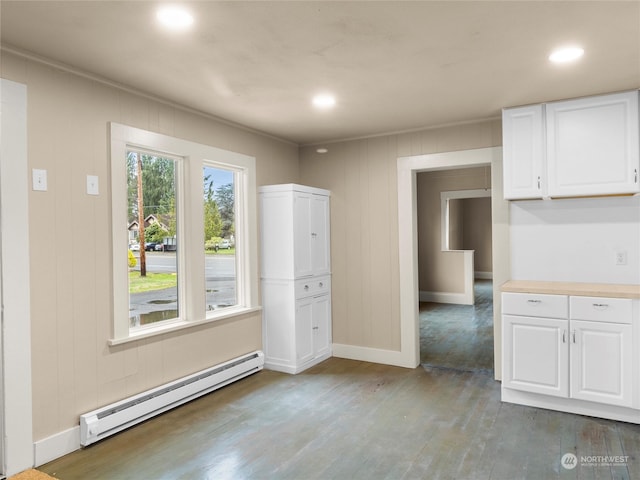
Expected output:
(56, 446)
(373, 355)
(446, 297)
(483, 275)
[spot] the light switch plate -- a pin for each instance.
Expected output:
(92, 185)
(39, 180)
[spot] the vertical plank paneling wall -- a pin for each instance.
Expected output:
(74, 370)
(362, 176)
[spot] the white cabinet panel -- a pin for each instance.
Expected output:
(535, 305)
(611, 310)
(535, 355)
(320, 235)
(523, 151)
(601, 362)
(304, 330)
(593, 145)
(321, 325)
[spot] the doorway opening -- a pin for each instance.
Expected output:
(455, 268)
(408, 168)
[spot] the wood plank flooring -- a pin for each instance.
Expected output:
(345, 419)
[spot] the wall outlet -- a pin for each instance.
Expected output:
(621, 257)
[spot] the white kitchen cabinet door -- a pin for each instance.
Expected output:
(535, 355)
(320, 235)
(593, 145)
(302, 234)
(523, 151)
(601, 362)
(304, 331)
(321, 325)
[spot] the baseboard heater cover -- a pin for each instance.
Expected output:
(111, 419)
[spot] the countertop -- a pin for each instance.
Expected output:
(572, 288)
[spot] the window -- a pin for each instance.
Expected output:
(152, 219)
(184, 216)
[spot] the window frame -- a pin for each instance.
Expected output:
(190, 211)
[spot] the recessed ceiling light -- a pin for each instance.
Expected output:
(322, 150)
(567, 54)
(324, 100)
(175, 18)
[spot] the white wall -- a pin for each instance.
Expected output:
(576, 240)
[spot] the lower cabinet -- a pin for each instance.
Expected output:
(297, 323)
(601, 362)
(536, 355)
(570, 347)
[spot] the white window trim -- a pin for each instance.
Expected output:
(190, 205)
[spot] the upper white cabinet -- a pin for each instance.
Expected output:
(523, 150)
(581, 147)
(592, 145)
(295, 231)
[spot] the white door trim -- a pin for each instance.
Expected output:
(408, 167)
(14, 255)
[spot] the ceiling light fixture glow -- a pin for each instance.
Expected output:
(322, 150)
(175, 18)
(324, 101)
(567, 54)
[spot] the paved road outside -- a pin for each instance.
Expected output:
(149, 307)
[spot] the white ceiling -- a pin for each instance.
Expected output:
(393, 66)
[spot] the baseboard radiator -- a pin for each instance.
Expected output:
(111, 419)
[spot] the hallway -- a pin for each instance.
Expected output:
(459, 337)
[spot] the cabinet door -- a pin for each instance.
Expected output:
(304, 331)
(601, 362)
(523, 151)
(320, 235)
(593, 145)
(321, 325)
(535, 355)
(302, 228)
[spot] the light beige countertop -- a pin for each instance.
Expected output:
(572, 288)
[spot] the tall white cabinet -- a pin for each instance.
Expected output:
(296, 276)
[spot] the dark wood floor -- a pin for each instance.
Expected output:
(346, 419)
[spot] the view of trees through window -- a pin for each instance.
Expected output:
(154, 240)
(152, 221)
(219, 234)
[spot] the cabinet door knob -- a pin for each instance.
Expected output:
(600, 306)
(538, 182)
(315, 328)
(534, 302)
(306, 288)
(321, 284)
(564, 336)
(573, 335)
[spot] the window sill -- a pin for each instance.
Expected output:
(181, 325)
